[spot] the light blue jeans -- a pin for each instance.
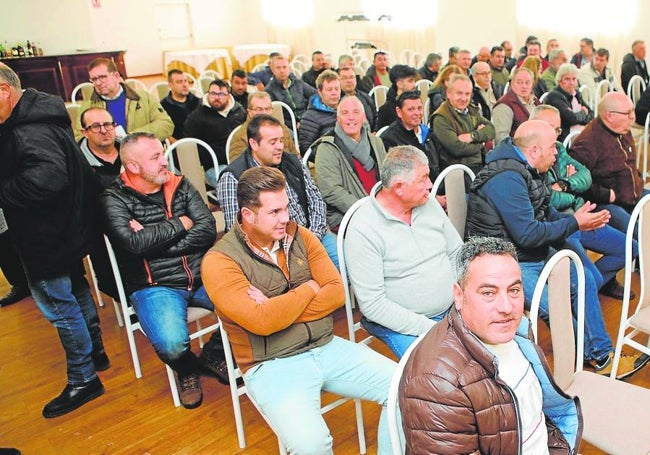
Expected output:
(397, 342)
(329, 242)
(597, 342)
(288, 391)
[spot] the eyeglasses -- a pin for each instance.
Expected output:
(97, 127)
(627, 113)
(100, 78)
(218, 94)
(261, 109)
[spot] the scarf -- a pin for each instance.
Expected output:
(360, 151)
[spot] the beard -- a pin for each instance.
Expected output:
(156, 178)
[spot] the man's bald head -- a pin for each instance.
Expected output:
(616, 111)
(536, 140)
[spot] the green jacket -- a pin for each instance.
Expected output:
(578, 183)
(447, 124)
(143, 113)
(548, 78)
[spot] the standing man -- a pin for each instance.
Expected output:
(275, 290)
(476, 383)
(179, 102)
(318, 65)
(634, 64)
(47, 193)
(132, 110)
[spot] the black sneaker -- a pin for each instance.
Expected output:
(15, 295)
(614, 290)
(73, 397)
(190, 391)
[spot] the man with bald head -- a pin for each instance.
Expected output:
(510, 199)
(486, 92)
(607, 148)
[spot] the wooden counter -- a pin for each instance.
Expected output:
(59, 74)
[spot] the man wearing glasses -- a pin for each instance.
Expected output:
(486, 92)
(99, 144)
(258, 103)
(132, 110)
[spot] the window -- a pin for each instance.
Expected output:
(288, 13)
(420, 13)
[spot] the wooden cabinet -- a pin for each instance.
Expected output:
(59, 74)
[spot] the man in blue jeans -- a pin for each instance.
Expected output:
(400, 249)
(47, 193)
(510, 198)
(160, 228)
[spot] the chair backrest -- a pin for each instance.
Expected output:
(602, 88)
(278, 112)
(85, 88)
(381, 130)
(159, 90)
(379, 94)
(194, 84)
(259, 67)
(417, 59)
(423, 85)
(211, 74)
(635, 88)
(136, 84)
(506, 88)
(299, 65)
(543, 97)
(229, 141)
(74, 110)
(588, 95)
(392, 404)
(567, 350)
(642, 151)
(190, 164)
(305, 60)
(569, 139)
(364, 64)
(405, 56)
(426, 111)
(454, 179)
(306, 156)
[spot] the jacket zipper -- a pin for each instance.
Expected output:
(636, 196)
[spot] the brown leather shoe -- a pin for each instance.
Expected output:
(190, 391)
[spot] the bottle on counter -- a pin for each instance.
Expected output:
(21, 50)
(7, 50)
(14, 51)
(39, 49)
(29, 51)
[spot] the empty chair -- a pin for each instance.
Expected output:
(588, 95)
(136, 84)
(190, 164)
(454, 180)
(279, 109)
(160, 90)
(379, 94)
(635, 88)
(423, 85)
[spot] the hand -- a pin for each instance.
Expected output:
(187, 222)
(584, 109)
(480, 127)
(256, 295)
(612, 196)
(442, 200)
(589, 220)
(465, 137)
(556, 187)
(570, 170)
(315, 286)
(135, 226)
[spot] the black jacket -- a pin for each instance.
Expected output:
(179, 111)
(562, 101)
(296, 96)
(396, 134)
(164, 253)
(47, 189)
(630, 68)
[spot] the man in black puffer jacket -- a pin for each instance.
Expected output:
(160, 229)
(47, 193)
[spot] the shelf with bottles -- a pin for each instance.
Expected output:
(20, 50)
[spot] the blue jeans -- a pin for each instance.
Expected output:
(329, 242)
(397, 342)
(288, 391)
(162, 313)
(597, 343)
(66, 302)
(621, 217)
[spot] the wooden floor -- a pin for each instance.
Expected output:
(137, 416)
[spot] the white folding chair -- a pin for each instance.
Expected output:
(229, 141)
(454, 179)
(299, 65)
(190, 164)
(423, 85)
(506, 88)
(364, 64)
(305, 60)
(392, 406)
(133, 325)
(159, 90)
(588, 95)
(635, 88)
(204, 83)
(602, 88)
(379, 94)
(306, 156)
(427, 110)
(85, 88)
(279, 109)
(381, 130)
(194, 85)
(612, 410)
(638, 323)
(543, 97)
(642, 150)
(569, 139)
(74, 111)
(417, 59)
(136, 84)
(210, 74)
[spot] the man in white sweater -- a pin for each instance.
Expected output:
(400, 249)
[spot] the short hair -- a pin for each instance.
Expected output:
(496, 49)
(476, 247)
(110, 64)
(401, 161)
(315, 53)
(602, 52)
(410, 95)
(534, 43)
(530, 38)
(374, 56)
(537, 110)
(256, 180)
(453, 50)
(588, 41)
(564, 69)
(503, 44)
(131, 140)
(432, 58)
(220, 83)
(348, 98)
(171, 72)
(458, 77)
(258, 94)
(636, 42)
(399, 72)
(555, 53)
(520, 70)
(9, 76)
(253, 128)
(326, 76)
(473, 67)
(239, 73)
(465, 51)
(82, 117)
(345, 58)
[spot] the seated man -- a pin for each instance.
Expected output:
(132, 110)
(459, 130)
(400, 249)
(99, 144)
(606, 147)
(586, 55)
(533, 48)
(239, 87)
(402, 78)
(486, 92)
(261, 78)
(514, 108)
(266, 148)
(286, 88)
(318, 65)
(179, 102)
(556, 58)
(349, 88)
(476, 383)
(634, 64)
(275, 290)
(591, 75)
(377, 74)
(212, 122)
(430, 67)
(258, 103)
(321, 113)
(348, 161)
(510, 199)
(160, 254)
(408, 129)
(500, 74)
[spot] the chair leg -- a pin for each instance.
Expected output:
(360, 427)
(234, 390)
(172, 386)
(118, 313)
(98, 293)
